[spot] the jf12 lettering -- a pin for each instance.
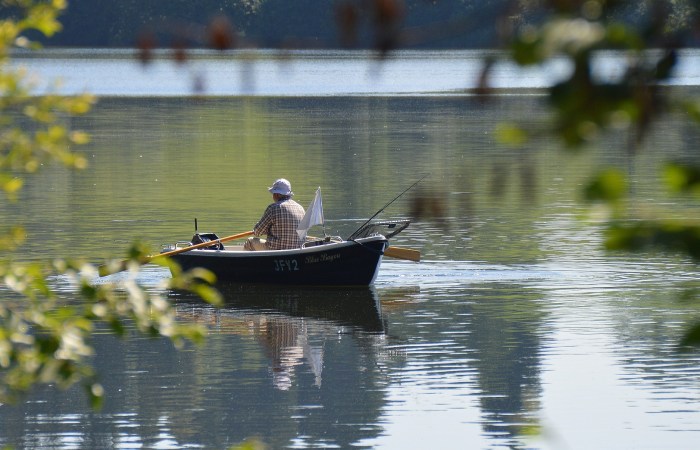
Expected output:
(286, 265)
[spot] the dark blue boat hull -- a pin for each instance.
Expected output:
(351, 263)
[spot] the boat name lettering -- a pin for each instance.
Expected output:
(286, 265)
(323, 257)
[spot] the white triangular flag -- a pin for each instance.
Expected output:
(313, 216)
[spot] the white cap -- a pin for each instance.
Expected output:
(282, 187)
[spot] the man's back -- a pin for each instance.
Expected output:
(279, 223)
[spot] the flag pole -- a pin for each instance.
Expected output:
(323, 216)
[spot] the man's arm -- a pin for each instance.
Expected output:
(262, 228)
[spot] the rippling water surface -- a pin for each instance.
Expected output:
(516, 330)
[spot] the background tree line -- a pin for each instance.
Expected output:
(262, 23)
(446, 24)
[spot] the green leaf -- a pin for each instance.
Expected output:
(209, 294)
(608, 186)
(118, 327)
(204, 275)
(95, 393)
(677, 237)
(682, 178)
(250, 444)
(511, 134)
(691, 338)
(692, 108)
(42, 18)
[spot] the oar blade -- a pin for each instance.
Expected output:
(402, 253)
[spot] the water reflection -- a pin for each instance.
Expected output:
(479, 346)
(369, 368)
(287, 322)
(305, 360)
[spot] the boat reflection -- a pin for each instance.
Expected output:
(292, 325)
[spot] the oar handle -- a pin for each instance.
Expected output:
(103, 269)
(202, 244)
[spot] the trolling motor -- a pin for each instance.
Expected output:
(199, 238)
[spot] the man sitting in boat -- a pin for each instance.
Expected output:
(279, 222)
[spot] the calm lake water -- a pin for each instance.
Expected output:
(516, 316)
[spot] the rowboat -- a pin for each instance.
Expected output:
(351, 263)
(328, 261)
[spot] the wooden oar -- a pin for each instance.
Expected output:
(103, 270)
(402, 253)
(204, 244)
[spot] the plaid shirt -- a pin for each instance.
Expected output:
(279, 223)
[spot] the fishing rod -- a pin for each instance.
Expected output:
(387, 205)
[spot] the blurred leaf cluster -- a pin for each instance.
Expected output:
(587, 103)
(45, 339)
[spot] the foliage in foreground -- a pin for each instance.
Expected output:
(43, 338)
(586, 104)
